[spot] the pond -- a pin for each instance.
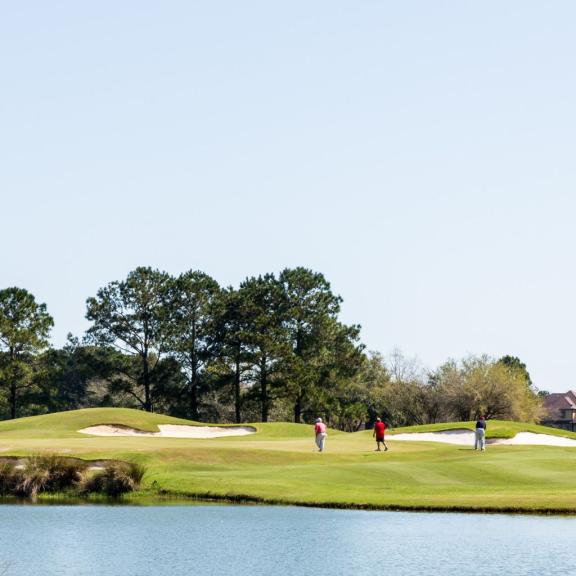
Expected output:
(276, 541)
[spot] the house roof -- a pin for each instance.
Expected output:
(553, 403)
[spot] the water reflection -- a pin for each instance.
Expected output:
(279, 541)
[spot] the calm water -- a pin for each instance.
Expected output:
(275, 541)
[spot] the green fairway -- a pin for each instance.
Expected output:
(279, 464)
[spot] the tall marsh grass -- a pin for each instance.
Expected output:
(115, 479)
(7, 477)
(57, 474)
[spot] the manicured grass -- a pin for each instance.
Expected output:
(279, 464)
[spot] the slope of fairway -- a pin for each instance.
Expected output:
(279, 463)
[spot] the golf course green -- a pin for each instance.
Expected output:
(279, 464)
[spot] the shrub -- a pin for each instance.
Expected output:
(116, 479)
(31, 480)
(136, 471)
(47, 473)
(7, 477)
(63, 473)
(54, 473)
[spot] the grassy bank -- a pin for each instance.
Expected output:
(278, 465)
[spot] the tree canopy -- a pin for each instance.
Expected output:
(24, 329)
(274, 348)
(132, 316)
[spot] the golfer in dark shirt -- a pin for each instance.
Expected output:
(480, 443)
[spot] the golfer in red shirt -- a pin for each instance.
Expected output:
(320, 431)
(379, 430)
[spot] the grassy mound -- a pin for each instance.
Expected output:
(279, 464)
(67, 424)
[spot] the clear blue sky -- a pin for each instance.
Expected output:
(420, 154)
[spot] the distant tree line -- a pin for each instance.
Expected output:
(272, 349)
(404, 394)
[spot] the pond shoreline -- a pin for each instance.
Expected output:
(171, 498)
(246, 499)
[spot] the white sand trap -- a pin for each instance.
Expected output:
(465, 437)
(170, 431)
(532, 439)
(460, 436)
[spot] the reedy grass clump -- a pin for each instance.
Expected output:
(7, 478)
(57, 474)
(116, 479)
(47, 473)
(62, 473)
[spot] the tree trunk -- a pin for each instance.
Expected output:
(264, 390)
(13, 385)
(194, 392)
(298, 352)
(237, 388)
(146, 384)
(194, 380)
(13, 396)
(298, 409)
(193, 401)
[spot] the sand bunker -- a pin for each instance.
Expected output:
(170, 431)
(529, 438)
(462, 437)
(465, 437)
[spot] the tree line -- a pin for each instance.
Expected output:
(272, 349)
